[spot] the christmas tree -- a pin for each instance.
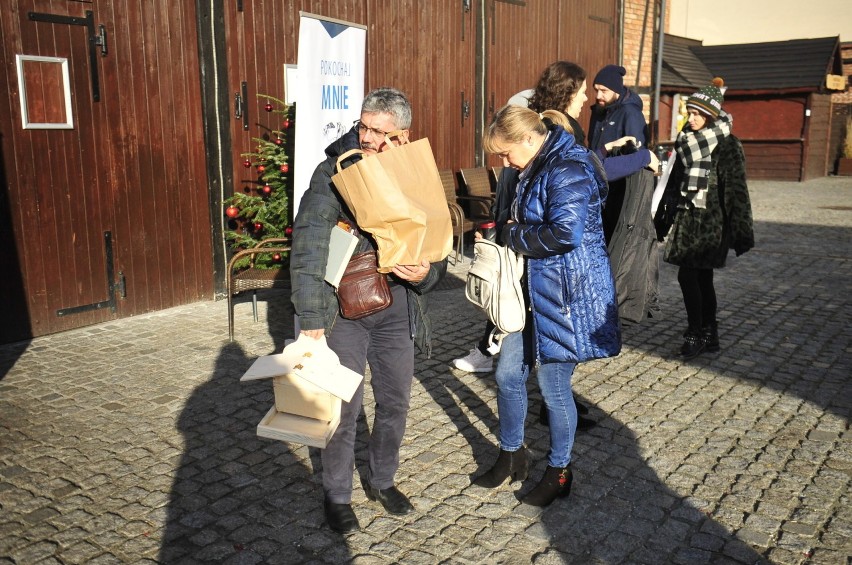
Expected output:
(261, 210)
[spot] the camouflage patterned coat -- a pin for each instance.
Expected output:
(700, 238)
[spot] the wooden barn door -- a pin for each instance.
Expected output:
(522, 38)
(104, 193)
(64, 230)
(426, 49)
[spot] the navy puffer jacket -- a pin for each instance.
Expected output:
(558, 228)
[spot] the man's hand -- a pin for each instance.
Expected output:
(412, 273)
(315, 334)
(654, 165)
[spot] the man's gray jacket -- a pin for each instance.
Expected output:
(321, 207)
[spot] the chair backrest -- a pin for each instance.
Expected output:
(448, 179)
(495, 171)
(478, 182)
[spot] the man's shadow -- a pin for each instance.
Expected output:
(236, 494)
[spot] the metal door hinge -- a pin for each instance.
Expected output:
(465, 109)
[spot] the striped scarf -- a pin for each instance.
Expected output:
(694, 149)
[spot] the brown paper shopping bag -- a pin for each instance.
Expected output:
(398, 197)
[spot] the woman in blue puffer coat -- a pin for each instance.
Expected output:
(573, 314)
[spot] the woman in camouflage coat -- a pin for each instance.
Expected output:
(712, 212)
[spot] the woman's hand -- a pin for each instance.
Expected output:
(620, 142)
(315, 334)
(413, 273)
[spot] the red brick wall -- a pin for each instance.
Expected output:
(635, 17)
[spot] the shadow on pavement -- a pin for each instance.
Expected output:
(237, 496)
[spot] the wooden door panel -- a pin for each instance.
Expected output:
(63, 263)
(133, 167)
(522, 39)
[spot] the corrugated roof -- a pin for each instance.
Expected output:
(799, 63)
(682, 68)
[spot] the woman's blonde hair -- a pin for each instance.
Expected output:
(512, 123)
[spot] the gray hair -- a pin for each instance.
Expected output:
(389, 101)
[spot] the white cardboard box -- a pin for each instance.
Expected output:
(309, 384)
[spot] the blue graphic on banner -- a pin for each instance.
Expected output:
(333, 29)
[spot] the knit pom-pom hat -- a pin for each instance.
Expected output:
(709, 99)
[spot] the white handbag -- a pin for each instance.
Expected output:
(494, 284)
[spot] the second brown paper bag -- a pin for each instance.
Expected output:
(397, 196)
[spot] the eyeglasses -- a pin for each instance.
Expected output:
(363, 129)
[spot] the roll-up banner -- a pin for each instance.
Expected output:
(330, 90)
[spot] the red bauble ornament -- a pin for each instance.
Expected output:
(267, 190)
(288, 230)
(260, 168)
(246, 163)
(232, 211)
(286, 124)
(258, 226)
(268, 107)
(279, 141)
(285, 168)
(276, 257)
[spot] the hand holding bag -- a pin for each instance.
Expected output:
(363, 290)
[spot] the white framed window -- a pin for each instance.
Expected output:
(44, 86)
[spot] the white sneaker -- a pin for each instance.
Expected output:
(474, 362)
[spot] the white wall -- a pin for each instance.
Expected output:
(721, 22)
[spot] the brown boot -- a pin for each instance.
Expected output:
(512, 464)
(556, 483)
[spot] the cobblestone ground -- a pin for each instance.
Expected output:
(134, 441)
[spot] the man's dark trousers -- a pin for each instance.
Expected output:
(384, 340)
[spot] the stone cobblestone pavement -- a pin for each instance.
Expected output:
(134, 441)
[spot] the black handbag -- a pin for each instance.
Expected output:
(363, 290)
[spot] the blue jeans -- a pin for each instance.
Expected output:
(554, 380)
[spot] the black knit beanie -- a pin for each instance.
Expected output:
(612, 77)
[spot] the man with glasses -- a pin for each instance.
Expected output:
(385, 339)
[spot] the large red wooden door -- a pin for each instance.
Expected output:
(521, 39)
(104, 205)
(64, 230)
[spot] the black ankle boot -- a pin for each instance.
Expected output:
(710, 333)
(556, 483)
(512, 464)
(582, 423)
(693, 344)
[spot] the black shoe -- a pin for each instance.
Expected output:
(583, 424)
(556, 483)
(394, 501)
(710, 333)
(693, 344)
(511, 465)
(341, 518)
(543, 417)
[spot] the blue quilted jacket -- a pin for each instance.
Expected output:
(557, 213)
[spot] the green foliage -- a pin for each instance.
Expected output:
(263, 205)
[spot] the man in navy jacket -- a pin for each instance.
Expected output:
(617, 111)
